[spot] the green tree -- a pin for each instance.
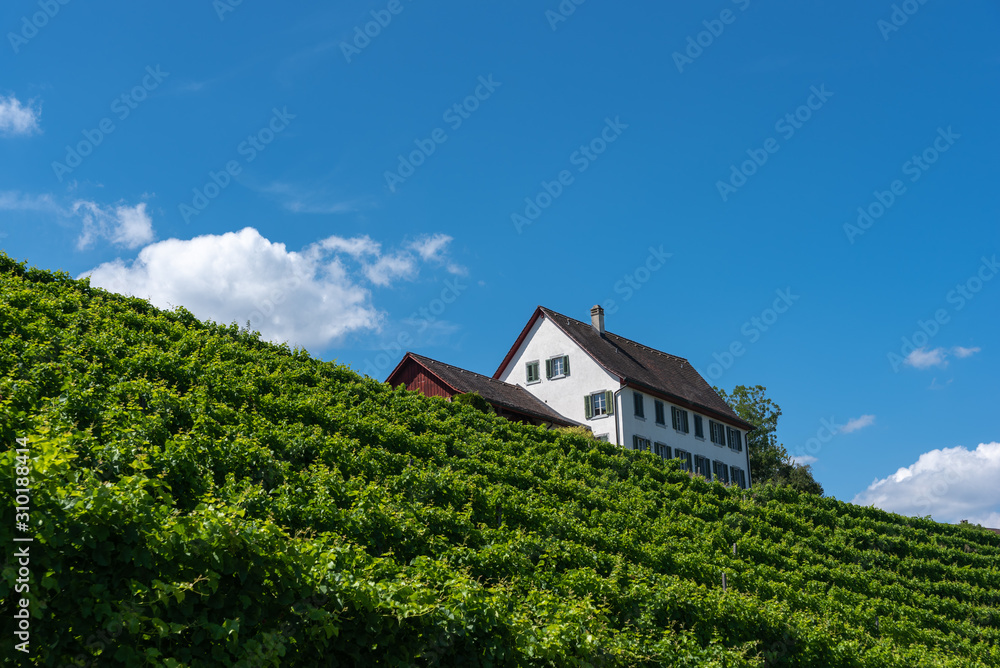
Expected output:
(769, 461)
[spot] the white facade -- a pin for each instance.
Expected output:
(566, 394)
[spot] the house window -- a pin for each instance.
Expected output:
(598, 403)
(679, 418)
(721, 471)
(640, 443)
(717, 432)
(685, 458)
(557, 367)
(699, 427)
(531, 372)
(738, 476)
(602, 437)
(734, 438)
(640, 409)
(703, 466)
(662, 449)
(658, 405)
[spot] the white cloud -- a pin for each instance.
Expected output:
(16, 118)
(356, 247)
(434, 249)
(431, 248)
(855, 424)
(803, 460)
(298, 199)
(308, 298)
(922, 358)
(962, 353)
(951, 484)
(15, 201)
(128, 226)
(390, 267)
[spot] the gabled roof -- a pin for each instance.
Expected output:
(637, 366)
(505, 395)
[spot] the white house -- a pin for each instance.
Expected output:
(628, 393)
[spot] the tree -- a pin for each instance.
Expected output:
(769, 461)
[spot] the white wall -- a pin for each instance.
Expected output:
(564, 395)
(666, 433)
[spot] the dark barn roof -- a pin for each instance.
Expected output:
(638, 366)
(503, 395)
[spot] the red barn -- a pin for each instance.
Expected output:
(437, 379)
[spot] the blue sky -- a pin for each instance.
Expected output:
(425, 185)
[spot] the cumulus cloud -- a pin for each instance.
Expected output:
(127, 226)
(803, 460)
(962, 353)
(951, 484)
(308, 298)
(855, 424)
(17, 118)
(120, 224)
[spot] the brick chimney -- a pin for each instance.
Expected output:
(597, 319)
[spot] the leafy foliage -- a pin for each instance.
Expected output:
(769, 461)
(202, 498)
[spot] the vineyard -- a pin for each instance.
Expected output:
(202, 498)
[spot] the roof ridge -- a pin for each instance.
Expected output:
(618, 336)
(458, 368)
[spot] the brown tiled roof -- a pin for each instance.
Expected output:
(644, 367)
(497, 392)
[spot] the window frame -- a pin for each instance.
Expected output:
(717, 427)
(527, 372)
(638, 405)
(549, 363)
(589, 404)
(663, 450)
(659, 412)
(679, 419)
(687, 461)
(641, 443)
(699, 427)
(734, 436)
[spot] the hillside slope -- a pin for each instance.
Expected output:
(202, 498)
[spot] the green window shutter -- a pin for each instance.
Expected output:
(566, 364)
(548, 369)
(609, 402)
(588, 408)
